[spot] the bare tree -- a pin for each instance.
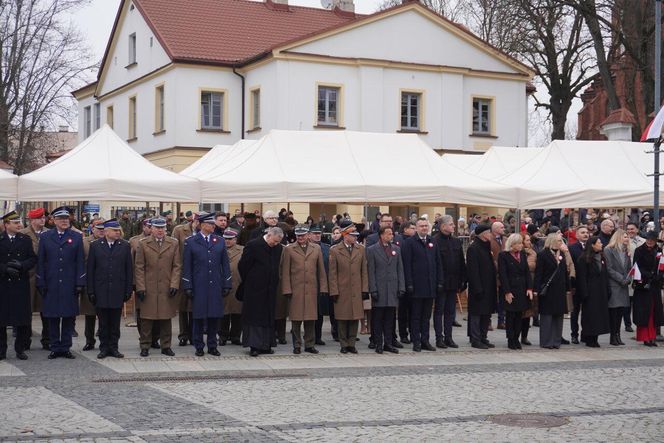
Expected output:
(42, 58)
(450, 9)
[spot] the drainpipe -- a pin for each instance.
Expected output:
(243, 110)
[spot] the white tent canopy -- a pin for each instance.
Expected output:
(8, 185)
(585, 174)
(496, 162)
(103, 168)
(216, 158)
(344, 166)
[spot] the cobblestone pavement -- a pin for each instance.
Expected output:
(573, 394)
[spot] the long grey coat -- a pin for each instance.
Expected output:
(618, 265)
(385, 275)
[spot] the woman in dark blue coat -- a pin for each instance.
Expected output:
(592, 285)
(514, 276)
(551, 285)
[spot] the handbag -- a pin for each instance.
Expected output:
(545, 288)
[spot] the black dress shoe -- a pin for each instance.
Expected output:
(320, 343)
(488, 343)
(102, 355)
(236, 342)
(417, 347)
(345, 350)
(427, 347)
(199, 353)
(88, 347)
(396, 344)
(74, 334)
(46, 347)
(145, 353)
(405, 341)
(155, 345)
(53, 355)
(253, 353)
(311, 350)
(21, 356)
(352, 349)
(526, 342)
(575, 340)
(222, 342)
(391, 349)
(168, 351)
(297, 351)
(214, 351)
(517, 345)
(440, 343)
(629, 328)
(69, 355)
(116, 354)
(372, 345)
(379, 349)
(182, 342)
(564, 341)
(3, 356)
(450, 343)
(456, 324)
(479, 345)
(282, 341)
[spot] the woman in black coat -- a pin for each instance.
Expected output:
(592, 288)
(551, 286)
(515, 281)
(647, 310)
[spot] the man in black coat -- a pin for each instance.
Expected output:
(575, 250)
(17, 258)
(259, 271)
(110, 278)
(454, 281)
(423, 275)
(481, 271)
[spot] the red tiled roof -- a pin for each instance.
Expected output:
(231, 31)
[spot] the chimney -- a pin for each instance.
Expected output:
(63, 128)
(344, 7)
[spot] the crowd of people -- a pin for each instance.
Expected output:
(239, 280)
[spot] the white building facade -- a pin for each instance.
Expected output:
(401, 70)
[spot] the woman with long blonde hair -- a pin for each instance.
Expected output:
(618, 265)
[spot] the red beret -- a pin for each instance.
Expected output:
(36, 213)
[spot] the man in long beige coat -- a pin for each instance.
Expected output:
(231, 323)
(34, 230)
(134, 242)
(85, 306)
(185, 318)
(157, 269)
(349, 285)
(303, 277)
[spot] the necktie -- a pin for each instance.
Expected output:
(61, 235)
(207, 240)
(11, 239)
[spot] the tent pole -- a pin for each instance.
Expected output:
(517, 223)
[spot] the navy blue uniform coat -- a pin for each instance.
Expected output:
(15, 299)
(60, 269)
(207, 272)
(110, 273)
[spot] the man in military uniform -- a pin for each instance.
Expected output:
(158, 271)
(231, 323)
(17, 258)
(180, 233)
(60, 281)
(303, 278)
(110, 277)
(127, 226)
(37, 221)
(250, 230)
(349, 285)
(85, 306)
(325, 305)
(134, 243)
(206, 278)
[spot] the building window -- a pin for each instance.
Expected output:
(97, 116)
(132, 49)
(410, 111)
(482, 116)
(255, 109)
(328, 105)
(132, 118)
(109, 116)
(159, 108)
(87, 121)
(212, 110)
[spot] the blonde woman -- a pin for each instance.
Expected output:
(531, 255)
(551, 285)
(516, 283)
(618, 265)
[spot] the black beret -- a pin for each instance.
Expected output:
(481, 228)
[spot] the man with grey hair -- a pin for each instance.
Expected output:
(270, 220)
(259, 271)
(606, 229)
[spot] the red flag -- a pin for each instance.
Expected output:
(654, 130)
(635, 272)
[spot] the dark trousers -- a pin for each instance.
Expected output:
(420, 314)
(513, 325)
(615, 319)
(212, 324)
(525, 327)
(347, 333)
(551, 330)
(443, 314)
(186, 322)
(333, 321)
(230, 327)
(90, 322)
(44, 330)
(479, 327)
(20, 342)
(109, 328)
(382, 321)
(627, 313)
(280, 329)
(147, 337)
(60, 330)
(404, 317)
(155, 328)
(501, 306)
(574, 319)
(309, 333)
